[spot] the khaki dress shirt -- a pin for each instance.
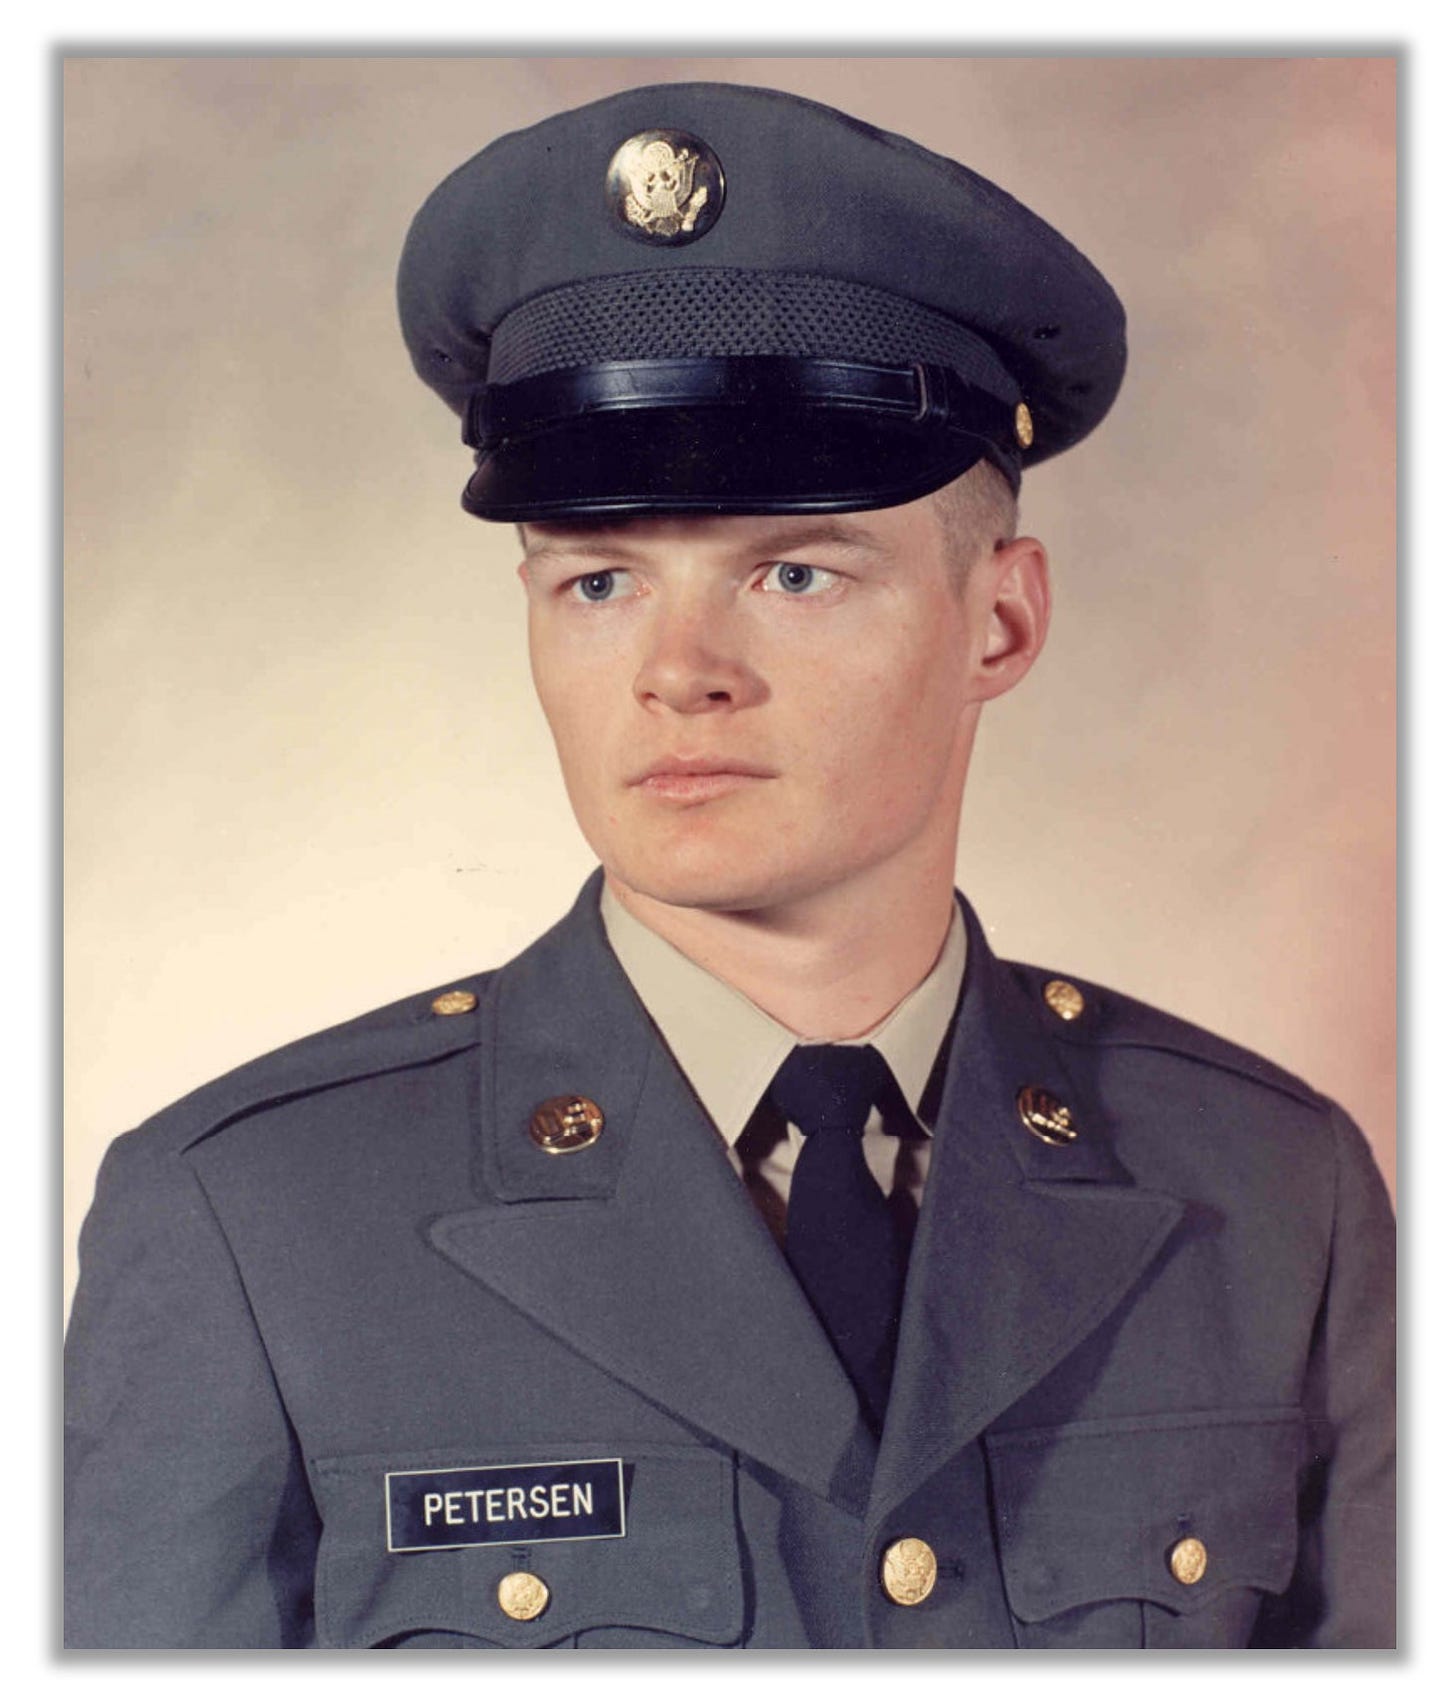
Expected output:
(730, 1049)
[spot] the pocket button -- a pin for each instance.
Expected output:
(522, 1596)
(1188, 1561)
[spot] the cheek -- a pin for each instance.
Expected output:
(582, 734)
(891, 727)
(576, 685)
(565, 692)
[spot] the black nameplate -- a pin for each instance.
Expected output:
(536, 1502)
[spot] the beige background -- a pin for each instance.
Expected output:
(304, 770)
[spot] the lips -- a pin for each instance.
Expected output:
(682, 768)
(697, 780)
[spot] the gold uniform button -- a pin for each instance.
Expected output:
(522, 1596)
(1024, 431)
(453, 1004)
(1046, 1117)
(1188, 1561)
(1065, 998)
(566, 1123)
(907, 1571)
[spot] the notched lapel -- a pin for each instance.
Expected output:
(643, 1253)
(1022, 1249)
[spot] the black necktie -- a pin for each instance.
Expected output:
(842, 1242)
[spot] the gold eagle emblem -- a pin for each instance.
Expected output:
(660, 194)
(665, 186)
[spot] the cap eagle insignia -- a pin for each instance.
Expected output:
(661, 198)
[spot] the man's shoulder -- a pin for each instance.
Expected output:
(1085, 1014)
(377, 1047)
(1187, 1108)
(434, 1024)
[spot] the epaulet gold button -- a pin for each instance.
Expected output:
(1065, 998)
(454, 1004)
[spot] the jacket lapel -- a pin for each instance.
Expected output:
(643, 1252)
(1022, 1248)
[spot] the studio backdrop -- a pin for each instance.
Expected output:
(304, 769)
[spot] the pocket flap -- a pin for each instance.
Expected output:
(675, 1570)
(1095, 1511)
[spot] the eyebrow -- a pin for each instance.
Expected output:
(568, 546)
(805, 534)
(808, 533)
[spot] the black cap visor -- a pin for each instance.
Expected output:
(787, 459)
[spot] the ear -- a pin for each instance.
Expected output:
(1011, 599)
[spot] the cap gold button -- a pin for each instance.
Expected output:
(1024, 432)
(1188, 1561)
(1046, 1117)
(665, 186)
(1065, 998)
(522, 1596)
(566, 1123)
(454, 1004)
(907, 1571)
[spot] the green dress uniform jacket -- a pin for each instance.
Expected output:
(1143, 1395)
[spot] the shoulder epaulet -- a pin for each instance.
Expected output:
(407, 1032)
(1083, 1013)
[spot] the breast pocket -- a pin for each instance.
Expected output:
(672, 1579)
(1162, 1533)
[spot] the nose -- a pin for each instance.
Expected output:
(693, 666)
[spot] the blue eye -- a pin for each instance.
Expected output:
(798, 578)
(599, 587)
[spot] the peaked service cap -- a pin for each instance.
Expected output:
(704, 298)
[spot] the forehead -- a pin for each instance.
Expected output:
(885, 534)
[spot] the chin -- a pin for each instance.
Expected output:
(701, 879)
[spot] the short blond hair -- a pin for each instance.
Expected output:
(976, 511)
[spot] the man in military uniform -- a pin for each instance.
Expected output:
(756, 1260)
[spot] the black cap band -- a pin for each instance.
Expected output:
(921, 393)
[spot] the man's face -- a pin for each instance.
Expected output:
(751, 711)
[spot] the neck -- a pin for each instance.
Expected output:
(829, 967)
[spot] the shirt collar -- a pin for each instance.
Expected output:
(729, 1048)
